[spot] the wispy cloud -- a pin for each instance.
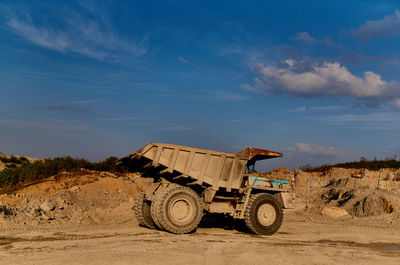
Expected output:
(305, 38)
(328, 41)
(388, 121)
(316, 150)
(85, 102)
(229, 96)
(320, 108)
(377, 117)
(385, 27)
(303, 153)
(183, 60)
(220, 95)
(66, 108)
(182, 127)
(74, 106)
(63, 128)
(313, 79)
(358, 59)
(150, 87)
(129, 118)
(92, 38)
(396, 103)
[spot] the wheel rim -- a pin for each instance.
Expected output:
(181, 211)
(266, 214)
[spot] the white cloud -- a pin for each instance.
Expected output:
(86, 37)
(313, 149)
(305, 79)
(385, 27)
(304, 37)
(305, 153)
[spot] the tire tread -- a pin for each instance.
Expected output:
(138, 209)
(250, 213)
(160, 214)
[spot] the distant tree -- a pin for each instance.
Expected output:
(389, 162)
(41, 169)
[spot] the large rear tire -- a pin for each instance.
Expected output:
(141, 209)
(178, 209)
(156, 202)
(264, 214)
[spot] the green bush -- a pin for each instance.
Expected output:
(11, 166)
(41, 169)
(23, 159)
(13, 159)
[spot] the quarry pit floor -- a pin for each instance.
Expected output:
(297, 242)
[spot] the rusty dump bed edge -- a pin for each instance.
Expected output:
(215, 168)
(249, 153)
(255, 154)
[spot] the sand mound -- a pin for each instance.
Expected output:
(373, 205)
(85, 197)
(363, 203)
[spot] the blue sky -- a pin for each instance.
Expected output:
(316, 80)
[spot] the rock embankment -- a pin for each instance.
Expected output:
(348, 193)
(86, 197)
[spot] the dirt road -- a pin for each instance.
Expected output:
(296, 243)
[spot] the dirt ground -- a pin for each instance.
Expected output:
(85, 217)
(299, 241)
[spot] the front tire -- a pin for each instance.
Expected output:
(178, 209)
(264, 214)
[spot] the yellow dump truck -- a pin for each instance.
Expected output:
(189, 181)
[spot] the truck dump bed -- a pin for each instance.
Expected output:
(218, 169)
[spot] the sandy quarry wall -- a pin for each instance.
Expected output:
(86, 197)
(90, 197)
(372, 193)
(384, 179)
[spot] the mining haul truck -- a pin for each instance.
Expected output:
(191, 181)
